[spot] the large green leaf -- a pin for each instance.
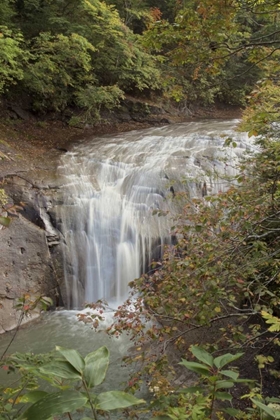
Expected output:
(96, 365)
(231, 411)
(273, 400)
(196, 367)
(202, 355)
(113, 400)
(60, 369)
(230, 374)
(54, 404)
(224, 384)
(73, 357)
(225, 359)
(263, 407)
(223, 396)
(33, 396)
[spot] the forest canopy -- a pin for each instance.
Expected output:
(88, 54)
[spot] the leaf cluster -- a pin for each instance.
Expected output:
(224, 48)
(73, 379)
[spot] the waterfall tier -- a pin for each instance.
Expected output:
(113, 188)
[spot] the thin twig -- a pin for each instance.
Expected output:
(14, 335)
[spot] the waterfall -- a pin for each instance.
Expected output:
(115, 186)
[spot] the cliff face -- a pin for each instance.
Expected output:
(31, 247)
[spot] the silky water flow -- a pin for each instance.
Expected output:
(117, 187)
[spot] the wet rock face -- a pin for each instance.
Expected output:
(30, 257)
(26, 267)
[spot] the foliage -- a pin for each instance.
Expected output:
(93, 98)
(54, 78)
(138, 15)
(12, 58)
(4, 220)
(215, 382)
(72, 379)
(3, 197)
(27, 303)
(6, 12)
(72, 49)
(190, 51)
(7, 208)
(224, 46)
(268, 411)
(272, 320)
(133, 13)
(262, 114)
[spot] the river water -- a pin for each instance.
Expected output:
(63, 329)
(114, 186)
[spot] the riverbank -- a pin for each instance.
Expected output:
(27, 138)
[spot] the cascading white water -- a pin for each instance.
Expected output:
(113, 185)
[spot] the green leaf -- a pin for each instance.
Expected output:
(225, 359)
(113, 400)
(196, 367)
(227, 142)
(96, 365)
(60, 369)
(231, 411)
(245, 381)
(263, 407)
(5, 221)
(202, 355)
(73, 357)
(33, 396)
(273, 400)
(252, 133)
(230, 373)
(224, 384)
(47, 300)
(53, 404)
(223, 396)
